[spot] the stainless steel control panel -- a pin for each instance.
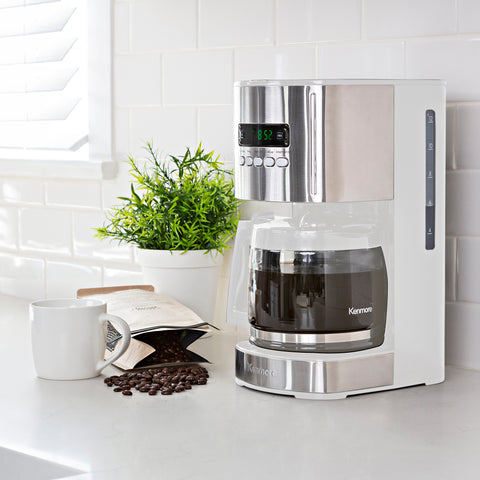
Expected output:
(313, 141)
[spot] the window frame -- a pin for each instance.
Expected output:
(100, 163)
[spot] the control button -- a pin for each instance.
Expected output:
(258, 162)
(249, 161)
(269, 161)
(242, 161)
(282, 162)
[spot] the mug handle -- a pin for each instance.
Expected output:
(126, 336)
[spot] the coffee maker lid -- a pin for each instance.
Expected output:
(282, 234)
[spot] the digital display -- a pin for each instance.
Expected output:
(263, 135)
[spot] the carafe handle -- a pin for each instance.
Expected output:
(237, 304)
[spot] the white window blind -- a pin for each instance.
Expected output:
(42, 75)
(51, 53)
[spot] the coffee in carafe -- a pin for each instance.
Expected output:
(320, 292)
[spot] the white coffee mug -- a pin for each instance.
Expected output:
(69, 338)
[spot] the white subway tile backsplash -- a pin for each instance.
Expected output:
(467, 138)
(158, 25)
(450, 268)
(19, 190)
(22, 276)
(64, 278)
(121, 145)
(170, 129)
(407, 18)
(300, 21)
(468, 266)
(137, 80)
(454, 60)
(122, 276)
(462, 331)
(198, 78)
(468, 16)
(248, 22)
(120, 187)
(75, 194)
(361, 60)
(46, 230)
(215, 131)
(451, 120)
(275, 62)
(121, 28)
(85, 244)
(8, 227)
(463, 200)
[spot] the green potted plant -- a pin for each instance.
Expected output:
(181, 213)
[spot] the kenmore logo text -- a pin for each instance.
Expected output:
(260, 371)
(358, 311)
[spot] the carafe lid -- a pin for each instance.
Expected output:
(281, 233)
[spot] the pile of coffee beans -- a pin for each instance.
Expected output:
(166, 380)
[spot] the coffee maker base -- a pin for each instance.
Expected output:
(312, 375)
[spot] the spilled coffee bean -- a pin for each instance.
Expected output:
(164, 380)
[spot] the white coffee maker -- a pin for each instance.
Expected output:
(339, 265)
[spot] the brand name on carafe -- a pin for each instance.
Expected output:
(359, 311)
(260, 371)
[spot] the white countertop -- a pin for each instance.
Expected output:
(223, 431)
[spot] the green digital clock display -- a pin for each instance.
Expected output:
(263, 135)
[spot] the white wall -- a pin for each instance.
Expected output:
(174, 65)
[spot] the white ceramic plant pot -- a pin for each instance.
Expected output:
(190, 277)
